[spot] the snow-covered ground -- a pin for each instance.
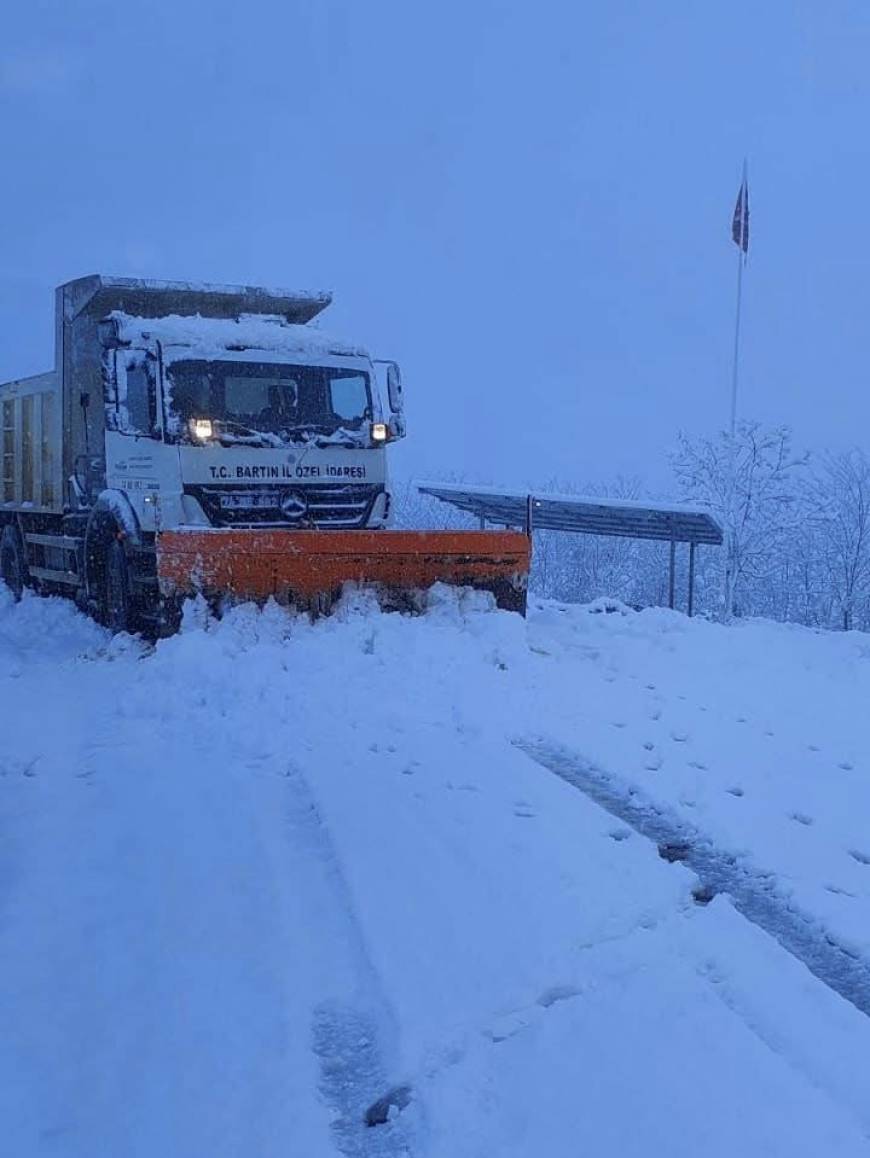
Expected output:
(268, 872)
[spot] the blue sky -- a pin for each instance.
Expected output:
(528, 205)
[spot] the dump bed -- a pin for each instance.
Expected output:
(30, 420)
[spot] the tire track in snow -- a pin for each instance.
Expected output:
(753, 892)
(348, 1036)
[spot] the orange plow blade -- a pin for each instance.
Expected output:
(306, 567)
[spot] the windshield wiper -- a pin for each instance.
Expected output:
(248, 435)
(340, 437)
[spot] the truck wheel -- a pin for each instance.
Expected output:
(510, 596)
(117, 612)
(13, 568)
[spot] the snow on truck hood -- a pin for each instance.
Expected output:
(208, 338)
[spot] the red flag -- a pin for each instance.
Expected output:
(740, 222)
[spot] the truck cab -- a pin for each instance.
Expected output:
(244, 422)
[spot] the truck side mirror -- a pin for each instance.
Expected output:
(395, 395)
(394, 387)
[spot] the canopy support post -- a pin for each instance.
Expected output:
(691, 579)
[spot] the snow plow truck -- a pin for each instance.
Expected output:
(211, 439)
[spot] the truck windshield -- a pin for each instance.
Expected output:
(247, 399)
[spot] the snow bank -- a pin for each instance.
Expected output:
(753, 734)
(257, 876)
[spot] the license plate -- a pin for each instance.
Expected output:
(249, 500)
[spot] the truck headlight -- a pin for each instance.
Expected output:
(380, 432)
(201, 429)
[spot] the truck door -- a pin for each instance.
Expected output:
(135, 451)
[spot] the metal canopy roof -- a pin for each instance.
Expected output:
(582, 514)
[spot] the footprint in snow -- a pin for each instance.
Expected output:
(846, 765)
(735, 790)
(814, 747)
(703, 894)
(524, 813)
(649, 745)
(619, 834)
(556, 994)
(653, 764)
(679, 737)
(838, 891)
(802, 818)
(673, 851)
(510, 1024)
(859, 856)
(19, 767)
(656, 714)
(699, 764)
(390, 1104)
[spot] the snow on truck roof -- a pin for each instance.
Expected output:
(205, 337)
(143, 297)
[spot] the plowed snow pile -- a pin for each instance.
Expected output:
(269, 873)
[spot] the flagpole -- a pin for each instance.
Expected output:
(734, 372)
(728, 591)
(740, 236)
(741, 261)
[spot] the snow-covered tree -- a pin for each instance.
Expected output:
(839, 499)
(750, 482)
(797, 537)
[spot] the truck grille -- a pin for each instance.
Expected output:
(311, 506)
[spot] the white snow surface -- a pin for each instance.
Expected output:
(256, 877)
(207, 338)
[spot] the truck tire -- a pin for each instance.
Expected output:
(117, 607)
(13, 566)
